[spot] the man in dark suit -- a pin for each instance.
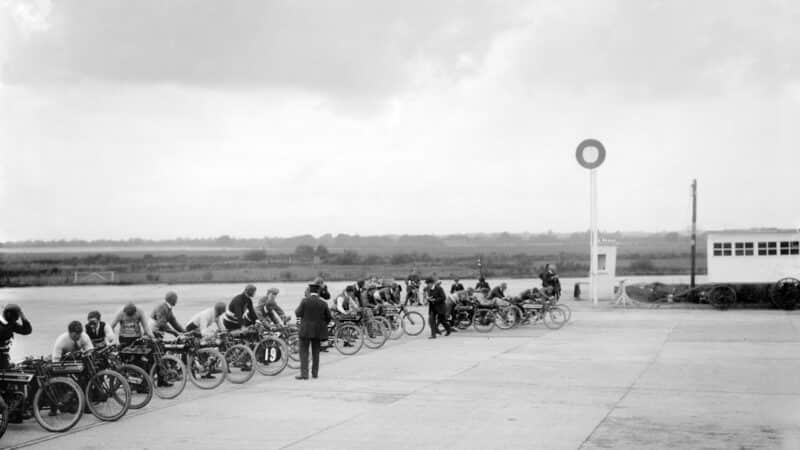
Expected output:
(314, 317)
(436, 308)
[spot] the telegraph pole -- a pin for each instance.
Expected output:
(694, 231)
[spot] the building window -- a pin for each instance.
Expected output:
(767, 248)
(727, 249)
(790, 247)
(739, 248)
(717, 248)
(748, 249)
(601, 262)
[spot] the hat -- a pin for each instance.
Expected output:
(317, 282)
(429, 280)
(94, 315)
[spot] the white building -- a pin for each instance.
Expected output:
(752, 256)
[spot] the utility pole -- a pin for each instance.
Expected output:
(694, 230)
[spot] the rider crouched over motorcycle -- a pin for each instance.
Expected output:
(234, 317)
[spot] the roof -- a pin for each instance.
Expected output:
(757, 231)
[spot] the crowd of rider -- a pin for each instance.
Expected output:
(366, 297)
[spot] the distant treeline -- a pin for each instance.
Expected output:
(357, 242)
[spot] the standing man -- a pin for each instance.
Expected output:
(436, 308)
(481, 284)
(9, 325)
(314, 317)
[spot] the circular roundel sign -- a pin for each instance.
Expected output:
(589, 144)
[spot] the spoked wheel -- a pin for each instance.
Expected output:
(506, 317)
(396, 326)
(169, 377)
(207, 368)
(555, 318)
(722, 297)
(108, 395)
(519, 315)
(463, 320)
(484, 320)
(140, 383)
(375, 333)
(272, 356)
(3, 417)
(785, 294)
(292, 342)
(241, 363)
(348, 339)
(567, 310)
(413, 323)
(59, 404)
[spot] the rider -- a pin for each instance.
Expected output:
(456, 286)
(499, 291)
(550, 280)
(234, 317)
(74, 339)
(207, 321)
(99, 332)
(268, 309)
(412, 287)
(131, 322)
(346, 302)
(10, 324)
(482, 284)
(162, 319)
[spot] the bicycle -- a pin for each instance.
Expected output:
(108, 394)
(31, 389)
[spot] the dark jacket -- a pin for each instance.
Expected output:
(482, 285)
(437, 299)
(456, 287)
(314, 315)
(496, 293)
(7, 331)
(239, 309)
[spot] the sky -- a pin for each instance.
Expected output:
(193, 118)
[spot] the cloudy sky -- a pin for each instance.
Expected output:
(196, 118)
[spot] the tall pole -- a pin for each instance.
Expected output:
(593, 234)
(593, 240)
(694, 231)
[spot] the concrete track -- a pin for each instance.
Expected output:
(610, 379)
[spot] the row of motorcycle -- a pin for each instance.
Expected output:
(109, 381)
